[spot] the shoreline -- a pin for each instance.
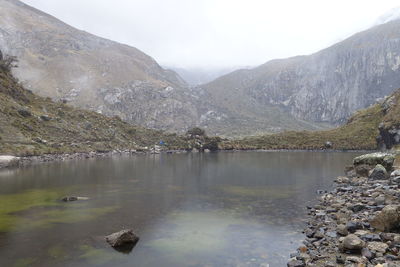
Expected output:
(48, 158)
(357, 222)
(25, 161)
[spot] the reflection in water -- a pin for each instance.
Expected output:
(216, 209)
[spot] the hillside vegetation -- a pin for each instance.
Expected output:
(362, 131)
(33, 125)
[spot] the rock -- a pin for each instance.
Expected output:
(45, 118)
(357, 207)
(353, 226)
(365, 252)
(24, 113)
(73, 198)
(377, 247)
(340, 259)
(362, 170)
(379, 200)
(387, 219)
(378, 173)
(395, 173)
(296, 263)
(342, 180)
(8, 161)
(373, 159)
(121, 238)
(328, 144)
(342, 230)
(352, 243)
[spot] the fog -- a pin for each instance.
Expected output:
(220, 33)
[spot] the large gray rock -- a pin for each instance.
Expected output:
(379, 173)
(121, 238)
(384, 159)
(387, 219)
(8, 161)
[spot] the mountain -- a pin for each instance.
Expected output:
(61, 62)
(325, 87)
(33, 125)
(311, 92)
(196, 76)
(376, 127)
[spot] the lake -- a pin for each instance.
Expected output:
(210, 209)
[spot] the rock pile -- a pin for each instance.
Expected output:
(358, 223)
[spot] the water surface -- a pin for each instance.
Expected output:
(215, 209)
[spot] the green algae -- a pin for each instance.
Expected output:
(195, 233)
(97, 256)
(274, 192)
(25, 262)
(42, 208)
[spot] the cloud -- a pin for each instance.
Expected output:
(219, 33)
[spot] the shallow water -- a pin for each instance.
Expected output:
(215, 209)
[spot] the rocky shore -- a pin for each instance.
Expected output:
(358, 223)
(12, 161)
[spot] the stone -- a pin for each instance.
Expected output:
(296, 263)
(395, 173)
(24, 113)
(328, 144)
(121, 238)
(378, 173)
(365, 252)
(352, 243)
(8, 161)
(362, 170)
(387, 219)
(353, 226)
(377, 247)
(357, 207)
(341, 229)
(45, 118)
(73, 198)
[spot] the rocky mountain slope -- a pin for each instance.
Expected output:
(327, 86)
(93, 73)
(377, 127)
(90, 72)
(33, 125)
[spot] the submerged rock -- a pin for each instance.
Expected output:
(122, 238)
(73, 198)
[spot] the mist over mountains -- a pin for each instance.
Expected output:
(300, 93)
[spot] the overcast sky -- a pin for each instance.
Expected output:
(219, 33)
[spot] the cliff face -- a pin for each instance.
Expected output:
(33, 125)
(90, 72)
(327, 86)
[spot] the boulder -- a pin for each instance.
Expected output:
(373, 159)
(362, 170)
(352, 243)
(121, 238)
(378, 173)
(8, 161)
(387, 219)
